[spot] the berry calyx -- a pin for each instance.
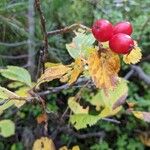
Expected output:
(123, 27)
(102, 30)
(121, 43)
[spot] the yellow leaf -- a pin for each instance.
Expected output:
(142, 115)
(23, 92)
(52, 73)
(107, 112)
(133, 57)
(49, 64)
(13, 96)
(76, 107)
(63, 148)
(103, 68)
(145, 138)
(43, 143)
(78, 68)
(76, 147)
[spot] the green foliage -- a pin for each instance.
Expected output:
(7, 128)
(83, 120)
(17, 74)
(80, 45)
(14, 27)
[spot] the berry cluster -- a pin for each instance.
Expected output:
(118, 35)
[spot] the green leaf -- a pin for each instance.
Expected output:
(6, 94)
(6, 106)
(112, 97)
(7, 128)
(112, 100)
(76, 107)
(81, 121)
(80, 45)
(17, 74)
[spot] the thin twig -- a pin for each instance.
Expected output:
(14, 57)
(68, 29)
(141, 74)
(13, 44)
(129, 74)
(68, 130)
(44, 31)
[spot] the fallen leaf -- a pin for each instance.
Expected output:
(7, 128)
(42, 118)
(63, 148)
(76, 147)
(44, 143)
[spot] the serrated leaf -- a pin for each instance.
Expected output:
(80, 45)
(17, 74)
(133, 57)
(7, 128)
(142, 115)
(145, 138)
(81, 121)
(52, 73)
(112, 100)
(77, 70)
(76, 107)
(44, 143)
(103, 68)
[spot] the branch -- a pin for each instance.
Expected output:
(68, 29)
(141, 74)
(13, 57)
(43, 26)
(68, 130)
(80, 81)
(13, 44)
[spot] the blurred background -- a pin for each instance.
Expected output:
(20, 42)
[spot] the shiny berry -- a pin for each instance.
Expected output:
(121, 43)
(102, 30)
(123, 27)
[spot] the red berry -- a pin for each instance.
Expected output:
(123, 27)
(102, 30)
(121, 43)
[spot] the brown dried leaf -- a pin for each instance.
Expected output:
(145, 138)
(78, 68)
(103, 68)
(42, 118)
(52, 73)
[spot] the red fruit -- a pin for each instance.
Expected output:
(102, 30)
(123, 27)
(121, 43)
